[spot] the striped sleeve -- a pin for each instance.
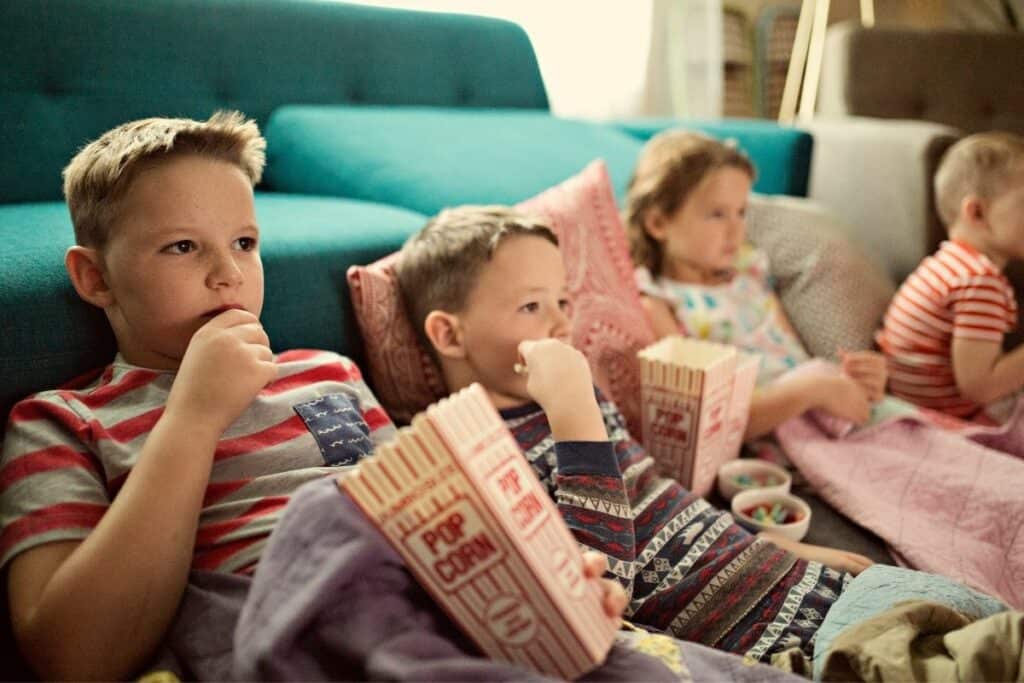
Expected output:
(956, 293)
(981, 309)
(51, 486)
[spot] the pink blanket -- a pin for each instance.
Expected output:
(943, 498)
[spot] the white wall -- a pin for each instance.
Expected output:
(603, 59)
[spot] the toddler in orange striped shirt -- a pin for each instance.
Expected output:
(943, 332)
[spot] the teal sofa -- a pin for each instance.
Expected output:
(375, 118)
(380, 82)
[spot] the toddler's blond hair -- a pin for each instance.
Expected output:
(981, 164)
(96, 179)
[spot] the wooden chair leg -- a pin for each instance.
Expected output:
(797, 61)
(801, 90)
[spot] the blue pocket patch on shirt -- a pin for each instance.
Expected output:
(338, 427)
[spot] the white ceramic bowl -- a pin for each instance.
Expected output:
(757, 470)
(796, 530)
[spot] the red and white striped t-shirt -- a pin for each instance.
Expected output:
(68, 452)
(956, 292)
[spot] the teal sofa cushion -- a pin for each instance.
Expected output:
(72, 69)
(428, 158)
(51, 336)
(308, 245)
(781, 154)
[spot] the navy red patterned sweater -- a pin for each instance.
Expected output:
(687, 567)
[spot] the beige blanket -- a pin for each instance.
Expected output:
(925, 641)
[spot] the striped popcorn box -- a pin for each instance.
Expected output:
(744, 381)
(695, 398)
(457, 499)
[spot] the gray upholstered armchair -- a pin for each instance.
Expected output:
(891, 101)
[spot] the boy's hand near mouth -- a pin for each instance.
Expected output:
(227, 363)
(559, 380)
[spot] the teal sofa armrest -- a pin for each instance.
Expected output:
(782, 155)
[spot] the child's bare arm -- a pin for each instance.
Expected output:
(779, 401)
(663, 320)
(97, 608)
(781, 318)
(560, 381)
(840, 560)
(774, 404)
(983, 372)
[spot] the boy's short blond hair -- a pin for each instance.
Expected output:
(439, 265)
(981, 164)
(671, 166)
(98, 176)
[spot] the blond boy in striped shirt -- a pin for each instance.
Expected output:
(183, 452)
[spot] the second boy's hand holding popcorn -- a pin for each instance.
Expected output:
(613, 595)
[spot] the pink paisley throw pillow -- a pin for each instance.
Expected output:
(609, 326)
(405, 377)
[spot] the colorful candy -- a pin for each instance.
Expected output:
(756, 480)
(772, 514)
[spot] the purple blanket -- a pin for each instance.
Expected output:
(332, 600)
(947, 501)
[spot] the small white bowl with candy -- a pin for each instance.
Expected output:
(748, 474)
(773, 511)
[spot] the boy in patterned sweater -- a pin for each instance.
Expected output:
(182, 453)
(486, 290)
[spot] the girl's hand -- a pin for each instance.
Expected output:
(868, 369)
(614, 595)
(842, 397)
